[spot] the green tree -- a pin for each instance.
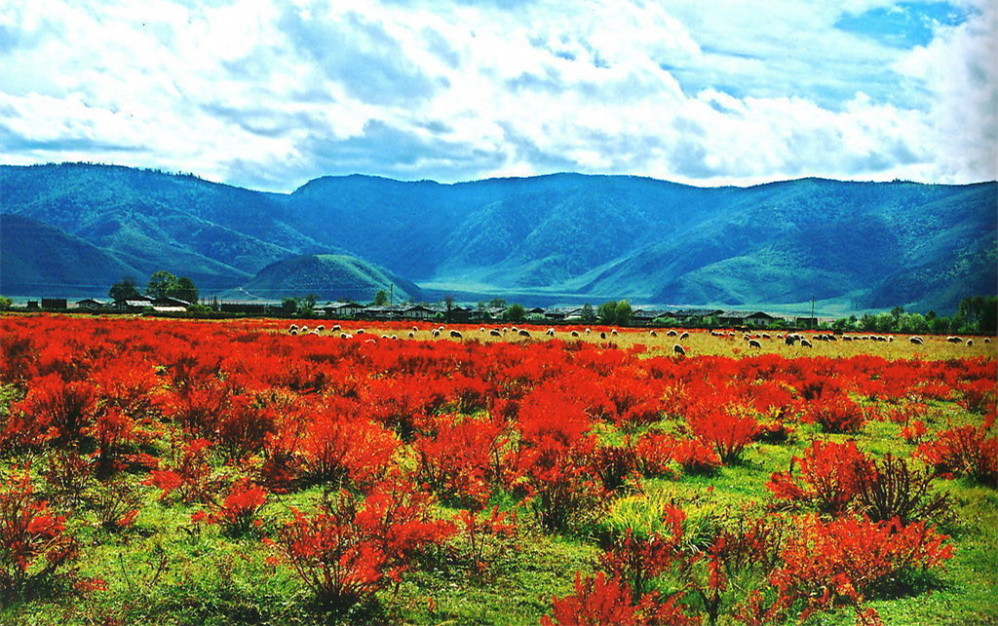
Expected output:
(606, 313)
(5, 303)
(289, 305)
(161, 283)
(497, 303)
(306, 305)
(124, 289)
(624, 313)
(516, 313)
(185, 290)
(588, 315)
(381, 298)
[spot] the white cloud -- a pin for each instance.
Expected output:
(268, 94)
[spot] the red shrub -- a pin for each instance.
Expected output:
(848, 558)
(54, 411)
(827, 477)
(638, 560)
(462, 460)
(965, 451)
(727, 432)
(836, 414)
(238, 512)
(33, 543)
(349, 549)
(696, 457)
(598, 601)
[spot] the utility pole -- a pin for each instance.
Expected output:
(391, 294)
(812, 321)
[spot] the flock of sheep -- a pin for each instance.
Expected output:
(754, 340)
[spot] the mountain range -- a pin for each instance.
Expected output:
(69, 229)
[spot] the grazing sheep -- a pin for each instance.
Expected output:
(684, 336)
(346, 336)
(970, 342)
(766, 336)
(456, 335)
(303, 329)
(613, 332)
(436, 333)
(549, 332)
(293, 332)
(916, 340)
(495, 333)
(524, 333)
(954, 340)
(653, 333)
(575, 333)
(360, 331)
(336, 328)
(293, 329)
(602, 335)
(791, 340)
(754, 344)
(320, 328)
(804, 343)
(671, 333)
(588, 331)
(678, 349)
(412, 335)
(415, 329)
(987, 341)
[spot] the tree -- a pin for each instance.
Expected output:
(448, 307)
(5, 303)
(124, 289)
(161, 283)
(497, 303)
(588, 315)
(607, 313)
(185, 290)
(624, 313)
(516, 313)
(381, 298)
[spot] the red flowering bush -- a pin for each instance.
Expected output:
(34, 545)
(966, 451)
(598, 601)
(849, 559)
(726, 431)
(836, 414)
(238, 512)
(827, 478)
(350, 548)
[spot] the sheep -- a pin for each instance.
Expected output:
(671, 333)
(415, 329)
(359, 331)
(549, 332)
(791, 339)
(293, 332)
(412, 335)
(602, 335)
(754, 344)
(456, 335)
(766, 336)
(652, 333)
(916, 340)
(970, 342)
(986, 340)
(575, 333)
(320, 328)
(679, 350)
(435, 333)
(336, 328)
(495, 333)
(303, 329)
(346, 336)
(524, 333)
(684, 336)
(588, 331)
(293, 329)
(954, 340)
(613, 331)
(804, 343)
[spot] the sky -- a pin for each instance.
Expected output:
(269, 94)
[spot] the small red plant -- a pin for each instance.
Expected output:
(34, 545)
(836, 414)
(238, 513)
(965, 451)
(828, 476)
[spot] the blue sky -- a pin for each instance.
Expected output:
(269, 94)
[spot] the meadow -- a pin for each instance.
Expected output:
(217, 472)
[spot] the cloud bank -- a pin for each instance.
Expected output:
(269, 94)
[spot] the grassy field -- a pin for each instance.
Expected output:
(164, 567)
